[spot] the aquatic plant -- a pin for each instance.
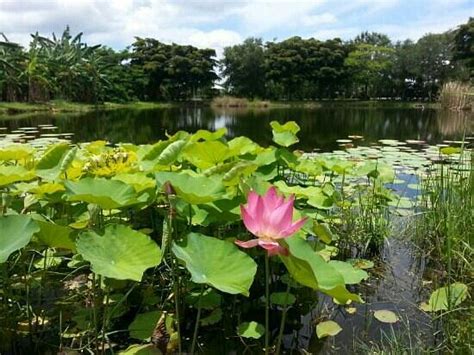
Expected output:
(134, 246)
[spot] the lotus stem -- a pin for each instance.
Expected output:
(198, 319)
(267, 304)
(283, 320)
(105, 317)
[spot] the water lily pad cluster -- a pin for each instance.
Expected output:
(141, 234)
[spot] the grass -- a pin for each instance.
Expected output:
(67, 106)
(221, 102)
(445, 232)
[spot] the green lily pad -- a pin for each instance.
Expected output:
(16, 233)
(327, 328)
(252, 330)
(121, 253)
(445, 298)
(217, 263)
(386, 316)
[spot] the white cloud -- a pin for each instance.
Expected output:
(219, 23)
(317, 20)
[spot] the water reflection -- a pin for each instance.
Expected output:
(319, 127)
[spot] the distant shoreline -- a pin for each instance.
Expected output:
(13, 108)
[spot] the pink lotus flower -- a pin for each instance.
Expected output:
(269, 218)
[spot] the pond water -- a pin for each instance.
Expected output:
(397, 283)
(320, 127)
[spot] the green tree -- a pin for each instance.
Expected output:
(12, 64)
(369, 65)
(243, 67)
(433, 63)
(463, 46)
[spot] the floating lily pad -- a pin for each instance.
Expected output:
(252, 330)
(327, 328)
(445, 298)
(386, 316)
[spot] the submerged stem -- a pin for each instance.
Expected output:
(267, 303)
(198, 319)
(283, 320)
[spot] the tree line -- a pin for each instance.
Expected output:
(368, 66)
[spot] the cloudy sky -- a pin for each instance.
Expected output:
(219, 23)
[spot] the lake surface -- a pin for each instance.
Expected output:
(320, 127)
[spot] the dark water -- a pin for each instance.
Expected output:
(319, 127)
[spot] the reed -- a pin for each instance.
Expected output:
(457, 96)
(237, 102)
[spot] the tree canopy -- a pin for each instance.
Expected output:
(369, 66)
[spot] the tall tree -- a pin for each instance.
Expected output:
(463, 48)
(369, 65)
(243, 67)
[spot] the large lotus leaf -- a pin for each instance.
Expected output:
(298, 191)
(217, 263)
(16, 232)
(48, 188)
(11, 174)
(193, 189)
(143, 325)
(207, 154)
(310, 167)
(285, 135)
(140, 349)
(351, 274)
(154, 151)
(55, 161)
(139, 181)
(108, 194)
(310, 269)
(171, 153)
(206, 135)
(120, 253)
(16, 152)
(243, 145)
(239, 171)
(56, 236)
